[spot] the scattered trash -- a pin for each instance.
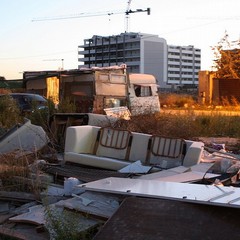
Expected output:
(94, 194)
(70, 184)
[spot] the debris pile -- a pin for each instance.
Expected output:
(42, 195)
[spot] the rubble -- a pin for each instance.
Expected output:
(67, 192)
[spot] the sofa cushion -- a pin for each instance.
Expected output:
(95, 161)
(113, 143)
(165, 152)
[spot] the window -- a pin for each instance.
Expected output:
(104, 77)
(115, 78)
(142, 91)
(114, 102)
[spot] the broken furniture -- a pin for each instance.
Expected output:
(59, 122)
(113, 149)
(25, 137)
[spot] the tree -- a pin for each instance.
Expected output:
(227, 58)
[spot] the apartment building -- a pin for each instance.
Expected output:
(143, 53)
(184, 63)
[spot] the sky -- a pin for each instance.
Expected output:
(28, 44)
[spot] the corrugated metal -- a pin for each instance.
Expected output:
(229, 88)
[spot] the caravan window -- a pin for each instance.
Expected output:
(118, 78)
(142, 91)
(113, 78)
(114, 102)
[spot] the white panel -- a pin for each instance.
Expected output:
(206, 194)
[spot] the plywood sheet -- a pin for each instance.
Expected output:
(156, 219)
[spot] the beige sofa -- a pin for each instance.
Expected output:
(114, 149)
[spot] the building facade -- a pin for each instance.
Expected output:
(184, 63)
(143, 53)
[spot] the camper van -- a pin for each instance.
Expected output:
(99, 94)
(100, 90)
(117, 92)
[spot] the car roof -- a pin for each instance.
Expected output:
(31, 95)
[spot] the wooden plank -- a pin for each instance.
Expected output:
(83, 173)
(22, 233)
(17, 196)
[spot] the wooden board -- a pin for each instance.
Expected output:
(157, 219)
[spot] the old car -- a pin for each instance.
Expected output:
(29, 102)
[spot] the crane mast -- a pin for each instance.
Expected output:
(127, 16)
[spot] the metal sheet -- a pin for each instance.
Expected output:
(186, 177)
(199, 193)
(181, 173)
(155, 219)
(135, 167)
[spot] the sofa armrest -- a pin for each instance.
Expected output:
(80, 139)
(194, 154)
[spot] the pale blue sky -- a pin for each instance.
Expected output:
(27, 45)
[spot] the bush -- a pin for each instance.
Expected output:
(41, 116)
(10, 113)
(66, 106)
(187, 125)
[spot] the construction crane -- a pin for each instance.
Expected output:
(96, 14)
(127, 15)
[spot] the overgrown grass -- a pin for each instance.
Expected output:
(9, 112)
(175, 100)
(188, 125)
(14, 165)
